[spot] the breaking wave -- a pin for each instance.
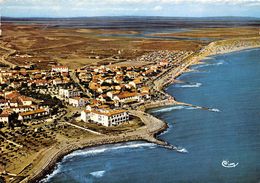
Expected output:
(195, 85)
(167, 130)
(168, 109)
(182, 150)
(97, 150)
(98, 174)
(55, 172)
(208, 64)
(214, 110)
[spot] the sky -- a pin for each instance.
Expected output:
(86, 8)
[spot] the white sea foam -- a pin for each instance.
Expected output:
(191, 108)
(133, 145)
(167, 130)
(86, 152)
(195, 85)
(200, 66)
(97, 150)
(214, 110)
(182, 150)
(221, 62)
(98, 174)
(55, 172)
(168, 109)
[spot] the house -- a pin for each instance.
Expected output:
(26, 100)
(16, 84)
(105, 117)
(13, 102)
(69, 93)
(102, 98)
(60, 68)
(3, 103)
(12, 95)
(78, 101)
(41, 82)
(127, 97)
(57, 81)
(145, 90)
(111, 94)
(33, 114)
(84, 116)
(164, 63)
(24, 108)
(5, 116)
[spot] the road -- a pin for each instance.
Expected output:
(76, 80)
(174, 72)
(6, 55)
(82, 128)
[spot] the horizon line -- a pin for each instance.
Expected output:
(64, 17)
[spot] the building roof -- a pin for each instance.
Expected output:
(126, 95)
(59, 67)
(109, 112)
(75, 98)
(5, 113)
(24, 98)
(33, 112)
(86, 111)
(13, 94)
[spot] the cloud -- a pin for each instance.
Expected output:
(127, 2)
(157, 8)
(129, 7)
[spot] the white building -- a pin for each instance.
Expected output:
(26, 100)
(127, 97)
(57, 81)
(5, 117)
(33, 114)
(3, 103)
(78, 101)
(20, 109)
(105, 117)
(69, 93)
(60, 68)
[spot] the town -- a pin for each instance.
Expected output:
(29, 94)
(38, 106)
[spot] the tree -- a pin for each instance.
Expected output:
(13, 121)
(1, 124)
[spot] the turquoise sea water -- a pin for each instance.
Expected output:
(230, 84)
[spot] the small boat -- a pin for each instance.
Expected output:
(226, 164)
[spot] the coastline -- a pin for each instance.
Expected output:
(153, 126)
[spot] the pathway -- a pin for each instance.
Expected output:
(82, 128)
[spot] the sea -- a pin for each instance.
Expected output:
(229, 85)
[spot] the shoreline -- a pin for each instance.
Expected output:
(151, 132)
(147, 134)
